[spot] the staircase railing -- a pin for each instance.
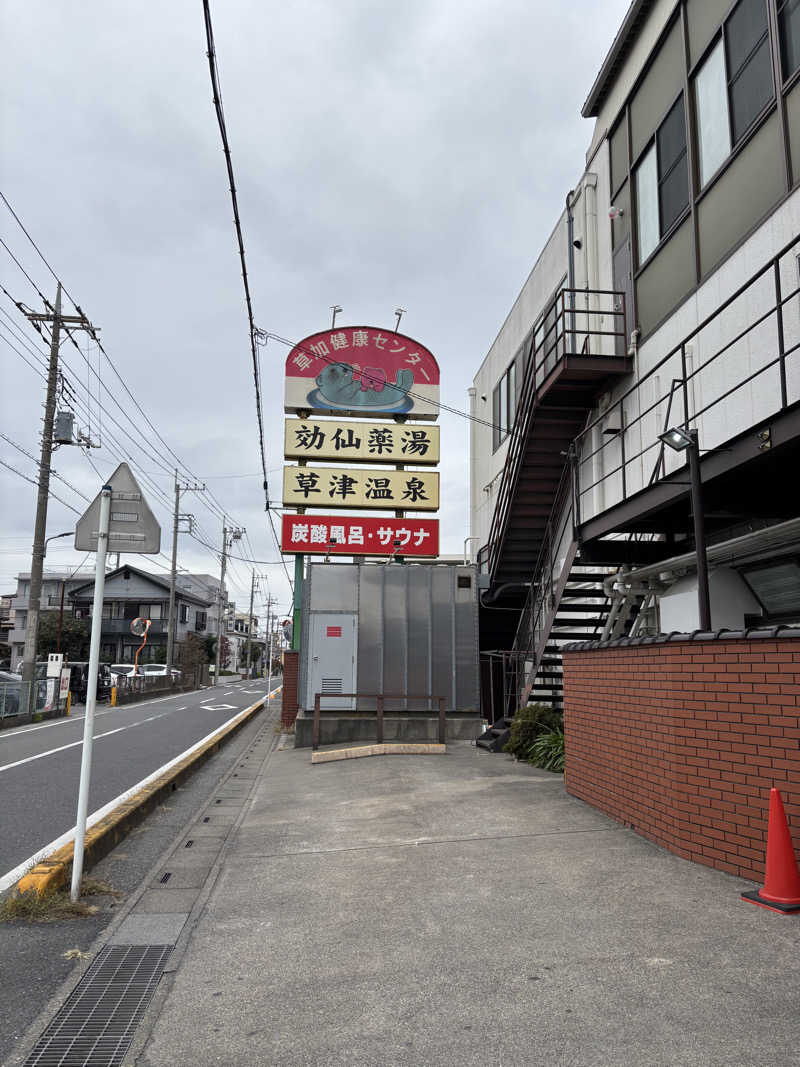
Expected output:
(556, 556)
(567, 329)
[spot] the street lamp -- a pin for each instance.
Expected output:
(680, 440)
(54, 537)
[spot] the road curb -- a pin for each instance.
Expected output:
(51, 873)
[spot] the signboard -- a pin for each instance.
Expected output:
(362, 370)
(132, 525)
(370, 442)
(54, 663)
(361, 536)
(63, 689)
(340, 487)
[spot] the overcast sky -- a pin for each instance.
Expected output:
(413, 154)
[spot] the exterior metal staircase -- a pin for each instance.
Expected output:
(532, 540)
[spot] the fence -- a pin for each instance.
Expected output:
(379, 698)
(15, 698)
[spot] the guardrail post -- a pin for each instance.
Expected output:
(623, 460)
(685, 388)
(442, 723)
(315, 735)
(380, 719)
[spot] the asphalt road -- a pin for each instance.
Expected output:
(40, 764)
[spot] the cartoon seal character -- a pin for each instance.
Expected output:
(338, 387)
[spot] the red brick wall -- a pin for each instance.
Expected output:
(291, 665)
(682, 742)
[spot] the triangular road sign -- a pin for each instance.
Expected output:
(132, 526)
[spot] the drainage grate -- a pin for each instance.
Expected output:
(189, 843)
(165, 877)
(95, 1026)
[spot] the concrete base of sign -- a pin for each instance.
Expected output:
(405, 748)
(339, 729)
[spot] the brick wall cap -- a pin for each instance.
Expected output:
(759, 633)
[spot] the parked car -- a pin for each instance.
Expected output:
(121, 670)
(79, 681)
(154, 670)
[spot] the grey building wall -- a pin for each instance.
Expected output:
(417, 628)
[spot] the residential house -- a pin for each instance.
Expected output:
(132, 593)
(56, 587)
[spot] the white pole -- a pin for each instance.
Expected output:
(91, 690)
(269, 668)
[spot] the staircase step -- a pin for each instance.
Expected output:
(586, 609)
(591, 576)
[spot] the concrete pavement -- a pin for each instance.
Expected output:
(455, 909)
(464, 909)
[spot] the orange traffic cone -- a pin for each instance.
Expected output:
(781, 890)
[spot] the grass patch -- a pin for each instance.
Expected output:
(30, 907)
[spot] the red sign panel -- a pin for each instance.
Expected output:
(362, 370)
(333, 631)
(359, 536)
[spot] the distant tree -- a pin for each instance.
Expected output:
(194, 654)
(225, 651)
(75, 635)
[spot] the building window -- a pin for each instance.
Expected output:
(150, 611)
(183, 613)
(789, 27)
(733, 86)
(200, 620)
(504, 405)
(662, 181)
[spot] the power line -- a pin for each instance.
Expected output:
(34, 482)
(214, 71)
(55, 474)
(220, 511)
(211, 503)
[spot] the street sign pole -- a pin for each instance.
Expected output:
(118, 518)
(91, 690)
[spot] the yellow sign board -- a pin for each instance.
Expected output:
(361, 442)
(340, 487)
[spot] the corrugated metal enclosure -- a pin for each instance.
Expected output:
(398, 629)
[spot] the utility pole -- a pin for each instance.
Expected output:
(56, 321)
(175, 524)
(235, 535)
(250, 619)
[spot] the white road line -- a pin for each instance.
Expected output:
(12, 876)
(72, 744)
(79, 718)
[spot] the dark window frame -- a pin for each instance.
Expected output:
(793, 75)
(737, 144)
(500, 432)
(663, 234)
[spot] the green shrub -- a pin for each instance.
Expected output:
(529, 722)
(547, 752)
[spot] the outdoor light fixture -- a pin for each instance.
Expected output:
(681, 440)
(54, 537)
(677, 439)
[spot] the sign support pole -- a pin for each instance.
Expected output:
(298, 600)
(91, 690)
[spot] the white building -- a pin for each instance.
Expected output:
(666, 296)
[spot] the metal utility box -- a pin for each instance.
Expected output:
(390, 628)
(64, 427)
